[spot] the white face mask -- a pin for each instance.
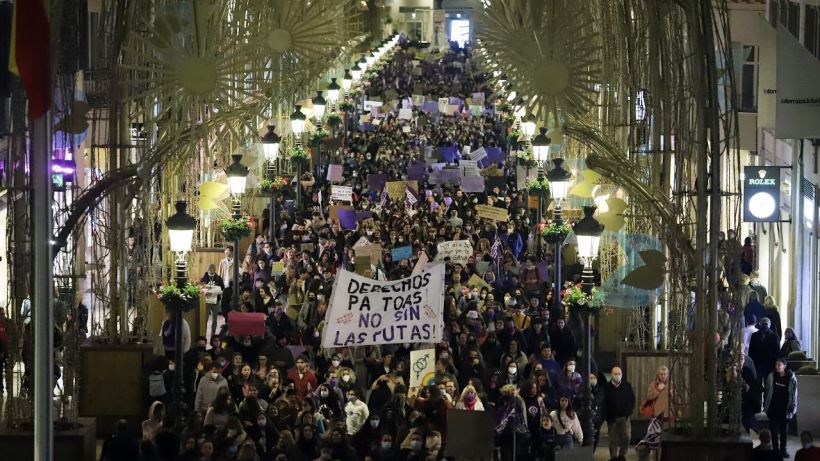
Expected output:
(616, 378)
(593, 382)
(346, 378)
(571, 368)
(512, 370)
(387, 445)
(335, 363)
(214, 375)
(325, 393)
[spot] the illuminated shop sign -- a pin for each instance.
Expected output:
(761, 194)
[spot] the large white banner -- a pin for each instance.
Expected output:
(364, 311)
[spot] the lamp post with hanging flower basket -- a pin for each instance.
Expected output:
(589, 302)
(555, 232)
(298, 156)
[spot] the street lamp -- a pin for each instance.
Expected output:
(371, 58)
(588, 233)
(333, 92)
(541, 147)
(363, 63)
(559, 179)
(270, 145)
(181, 228)
(347, 80)
(528, 126)
(297, 123)
(237, 174)
(319, 105)
(356, 72)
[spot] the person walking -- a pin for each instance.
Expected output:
(764, 347)
(619, 403)
(659, 395)
(780, 404)
(208, 388)
(212, 287)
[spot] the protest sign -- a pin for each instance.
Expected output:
(418, 100)
(478, 282)
(478, 154)
(415, 171)
(375, 182)
(429, 106)
(445, 176)
(475, 111)
(333, 211)
(370, 104)
(363, 215)
(422, 367)
(481, 267)
(334, 173)
(457, 250)
(405, 252)
(474, 184)
(452, 109)
(372, 251)
(469, 167)
(406, 114)
(395, 189)
(405, 129)
(478, 98)
(246, 323)
(448, 154)
(442, 104)
(471, 435)
(342, 193)
(494, 156)
(421, 263)
(369, 312)
(492, 212)
(362, 265)
(277, 268)
(347, 219)
(361, 242)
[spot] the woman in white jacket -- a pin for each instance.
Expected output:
(567, 426)
(356, 412)
(469, 400)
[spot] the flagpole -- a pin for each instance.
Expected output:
(43, 317)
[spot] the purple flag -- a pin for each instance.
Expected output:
(454, 101)
(347, 219)
(363, 215)
(494, 156)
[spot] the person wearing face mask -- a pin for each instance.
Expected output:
(512, 375)
(367, 440)
(619, 403)
(330, 397)
(209, 387)
(569, 381)
(596, 388)
(356, 412)
(386, 450)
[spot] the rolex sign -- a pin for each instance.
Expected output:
(761, 194)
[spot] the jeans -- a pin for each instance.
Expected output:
(213, 314)
(566, 441)
(778, 425)
(620, 432)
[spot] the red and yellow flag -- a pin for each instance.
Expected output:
(29, 56)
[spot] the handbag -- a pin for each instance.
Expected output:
(647, 408)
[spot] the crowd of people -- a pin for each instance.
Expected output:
(507, 344)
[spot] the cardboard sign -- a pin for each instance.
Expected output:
(277, 268)
(372, 251)
(478, 98)
(334, 173)
(333, 211)
(418, 100)
(442, 104)
(456, 250)
(478, 282)
(452, 109)
(421, 264)
(361, 242)
(395, 189)
(362, 265)
(491, 212)
(405, 114)
(400, 253)
(422, 367)
(475, 111)
(481, 267)
(246, 323)
(370, 312)
(342, 193)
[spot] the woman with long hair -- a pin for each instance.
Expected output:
(790, 343)
(567, 426)
(469, 400)
(659, 394)
(512, 434)
(248, 265)
(222, 409)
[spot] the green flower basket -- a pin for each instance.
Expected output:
(274, 186)
(576, 298)
(556, 233)
(235, 229)
(175, 299)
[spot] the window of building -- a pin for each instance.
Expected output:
(812, 30)
(748, 80)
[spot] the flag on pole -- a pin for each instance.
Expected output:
(495, 250)
(385, 201)
(29, 54)
(410, 196)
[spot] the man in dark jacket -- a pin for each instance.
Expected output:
(764, 347)
(121, 446)
(619, 402)
(754, 307)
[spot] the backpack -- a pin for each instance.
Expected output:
(156, 384)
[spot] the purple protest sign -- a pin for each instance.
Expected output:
(430, 106)
(445, 176)
(543, 271)
(376, 182)
(347, 219)
(494, 156)
(448, 153)
(472, 183)
(455, 101)
(415, 171)
(334, 173)
(363, 215)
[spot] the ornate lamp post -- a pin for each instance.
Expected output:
(270, 145)
(588, 232)
(297, 124)
(333, 93)
(347, 84)
(181, 228)
(319, 105)
(559, 179)
(237, 177)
